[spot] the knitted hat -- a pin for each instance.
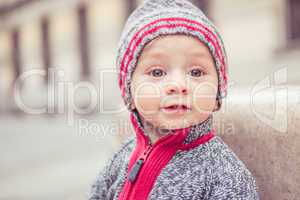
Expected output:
(155, 18)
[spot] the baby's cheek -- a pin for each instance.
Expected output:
(148, 104)
(204, 97)
(147, 98)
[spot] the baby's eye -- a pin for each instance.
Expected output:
(196, 72)
(157, 72)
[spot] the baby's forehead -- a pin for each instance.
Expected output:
(151, 45)
(164, 42)
(160, 49)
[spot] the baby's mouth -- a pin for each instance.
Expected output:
(176, 108)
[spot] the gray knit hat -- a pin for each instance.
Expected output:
(155, 18)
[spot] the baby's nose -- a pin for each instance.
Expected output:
(176, 88)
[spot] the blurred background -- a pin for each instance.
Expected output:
(61, 114)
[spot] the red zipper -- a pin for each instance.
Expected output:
(146, 167)
(142, 158)
(138, 164)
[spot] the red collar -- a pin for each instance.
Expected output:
(148, 160)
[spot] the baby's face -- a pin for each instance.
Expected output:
(175, 83)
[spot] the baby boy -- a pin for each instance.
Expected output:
(173, 76)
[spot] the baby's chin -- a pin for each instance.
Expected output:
(173, 125)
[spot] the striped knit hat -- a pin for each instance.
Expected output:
(155, 18)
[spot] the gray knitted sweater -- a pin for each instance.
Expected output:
(209, 171)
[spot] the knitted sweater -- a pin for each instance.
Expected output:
(203, 168)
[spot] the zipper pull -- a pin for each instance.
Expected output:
(135, 170)
(138, 164)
